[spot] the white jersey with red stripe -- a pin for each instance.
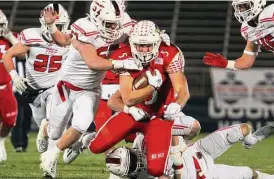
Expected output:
(75, 70)
(263, 33)
(44, 59)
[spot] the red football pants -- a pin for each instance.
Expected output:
(103, 114)
(157, 134)
(8, 106)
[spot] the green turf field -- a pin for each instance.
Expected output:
(26, 165)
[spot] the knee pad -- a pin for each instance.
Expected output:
(235, 134)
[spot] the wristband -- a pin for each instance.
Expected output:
(52, 28)
(231, 65)
(250, 53)
(13, 73)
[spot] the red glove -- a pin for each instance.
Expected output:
(215, 60)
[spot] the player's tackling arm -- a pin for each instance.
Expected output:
(89, 54)
(244, 62)
(133, 97)
(95, 62)
(17, 50)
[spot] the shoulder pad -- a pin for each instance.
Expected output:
(267, 15)
(31, 36)
(128, 24)
(84, 30)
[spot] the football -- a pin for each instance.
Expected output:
(141, 81)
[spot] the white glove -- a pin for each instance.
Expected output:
(172, 111)
(137, 113)
(155, 81)
(165, 37)
(18, 81)
(126, 64)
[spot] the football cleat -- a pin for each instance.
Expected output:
(49, 163)
(71, 154)
(42, 140)
(264, 132)
(260, 134)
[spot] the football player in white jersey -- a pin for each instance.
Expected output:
(78, 89)
(44, 60)
(258, 31)
(198, 159)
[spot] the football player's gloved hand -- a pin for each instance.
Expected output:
(49, 16)
(154, 80)
(18, 81)
(165, 37)
(215, 60)
(172, 111)
(129, 64)
(137, 113)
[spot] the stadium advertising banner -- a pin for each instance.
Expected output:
(242, 94)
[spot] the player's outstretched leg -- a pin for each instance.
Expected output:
(262, 133)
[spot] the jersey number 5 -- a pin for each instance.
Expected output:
(44, 62)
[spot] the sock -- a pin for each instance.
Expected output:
(56, 149)
(52, 143)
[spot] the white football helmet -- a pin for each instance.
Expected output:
(108, 16)
(62, 21)
(122, 4)
(246, 10)
(145, 33)
(3, 23)
(125, 162)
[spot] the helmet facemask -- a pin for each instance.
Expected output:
(125, 162)
(246, 10)
(108, 16)
(110, 30)
(145, 41)
(3, 23)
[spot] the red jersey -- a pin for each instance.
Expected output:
(110, 78)
(4, 46)
(169, 60)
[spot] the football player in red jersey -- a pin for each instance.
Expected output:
(8, 103)
(142, 112)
